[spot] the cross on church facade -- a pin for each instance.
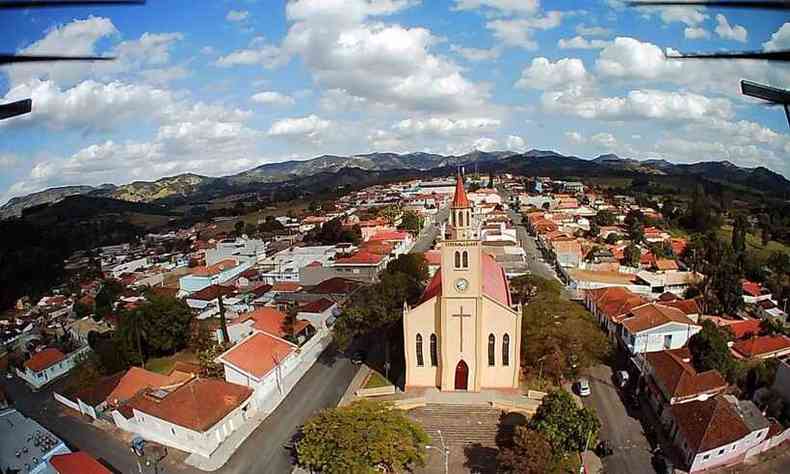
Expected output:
(461, 316)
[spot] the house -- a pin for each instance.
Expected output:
(656, 327)
(769, 309)
(568, 253)
(136, 380)
(754, 292)
(196, 416)
(321, 313)
(363, 266)
(80, 328)
(716, 432)
(77, 463)
(26, 446)
(49, 364)
(782, 381)
(610, 305)
(401, 241)
(239, 249)
(90, 400)
(762, 347)
(216, 274)
(672, 379)
(269, 320)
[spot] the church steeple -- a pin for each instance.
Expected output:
(461, 213)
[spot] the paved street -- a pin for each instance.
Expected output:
(430, 232)
(321, 387)
(623, 431)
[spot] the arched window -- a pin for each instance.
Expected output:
(434, 355)
(506, 350)
(466, 259)
(491, 345)
(457, 259)
(419, 351)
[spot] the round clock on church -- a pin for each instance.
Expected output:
(461, 284)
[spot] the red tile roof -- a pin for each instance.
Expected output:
(615, 301)
(286, 286)
(360, 258)
(336, 286)
(318, 306)
(197, 405)
(710, 424)
(390, 235)
(688, 306)
(746, 328)
(215, 269)
(258, 354)
(271, 320)
(433, 257)
(653, 315)
(762, 346)
(210, 293)
(77, 463)
(674, 371)
(136, 380)
(434, 287)
(44, 359)
(460, 199)
(751, 288)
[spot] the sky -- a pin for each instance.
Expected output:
(219, 87)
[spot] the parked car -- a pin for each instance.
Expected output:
(621, 378)
(358, 357)
(583, 386)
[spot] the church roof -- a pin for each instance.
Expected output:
(494, 283)
(460, 198)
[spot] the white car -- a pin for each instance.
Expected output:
(584, 387)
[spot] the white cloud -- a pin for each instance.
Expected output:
(605, 140)
(8, 160)
(725, 31)
(543, 74)
(485, 144)
(77, 38)
(579, 42)
(476, 54)
(690, 16)
(694, 32)
(584, 30)
(517, 32)
(575, 137)
(779, 40)
(272, 98)
(237, 15)
(310, 127)
(516, 143)
(629, 59)
(337, 12)
(445, 127)
(386, 65)
(149, 49)
(259, 53)
(645, 104)
(522, 7)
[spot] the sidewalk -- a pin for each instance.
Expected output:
(356, 384)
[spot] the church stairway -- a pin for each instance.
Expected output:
(465, 424)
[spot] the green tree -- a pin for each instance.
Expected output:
(613, 238)
(165, 322)
(108, 294)
(605, 218)
(739, 234)
(567, 427)
(238, 227)
(207, 360)
(595, 230)
(81, 310)
(412, 264)
(709, 351)
(364, 437)
(529, 453)
(490, 180)
(634, 221)
(411, 221)
(632, 255)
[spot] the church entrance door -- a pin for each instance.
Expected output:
(461, 376)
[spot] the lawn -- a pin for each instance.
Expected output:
(164, 365)
(376, 380)
(754, 243)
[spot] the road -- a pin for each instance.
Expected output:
(535, 264)
(321, 387)
(622, 430)
(429, 233)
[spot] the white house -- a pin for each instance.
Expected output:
(25, 445)
(655, 327)
(49, 364)
(321, 313)
(196, 416)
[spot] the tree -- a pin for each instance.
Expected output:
(632, 255)
(595, 230)
(411, 221)
(709, 351)
(108, 294)
(250, 229)
(634, 220)
(364, 437)
(81, 309)
(529, 453)
(605, 218)
(238, 227)
(289, 323)
(207, 360)
(491, 179)
(567, 427)
(613, 238)
(165, 322)
(412, 264)
(739, 234)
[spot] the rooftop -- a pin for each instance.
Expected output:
(258, 354)
(709, 424)
(318, 306)
(23, 442)
(762, 346)
(44, 359)
(136, 380)
(653, 315)
(197, 405)
(215, 269)
(77, 463)
(674, 371)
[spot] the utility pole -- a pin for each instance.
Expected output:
(445, 451)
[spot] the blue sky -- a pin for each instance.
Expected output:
(223, 86)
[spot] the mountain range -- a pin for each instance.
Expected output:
(309, 172)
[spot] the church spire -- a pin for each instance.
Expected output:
(460, 200)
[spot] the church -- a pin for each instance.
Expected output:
(464, 333)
